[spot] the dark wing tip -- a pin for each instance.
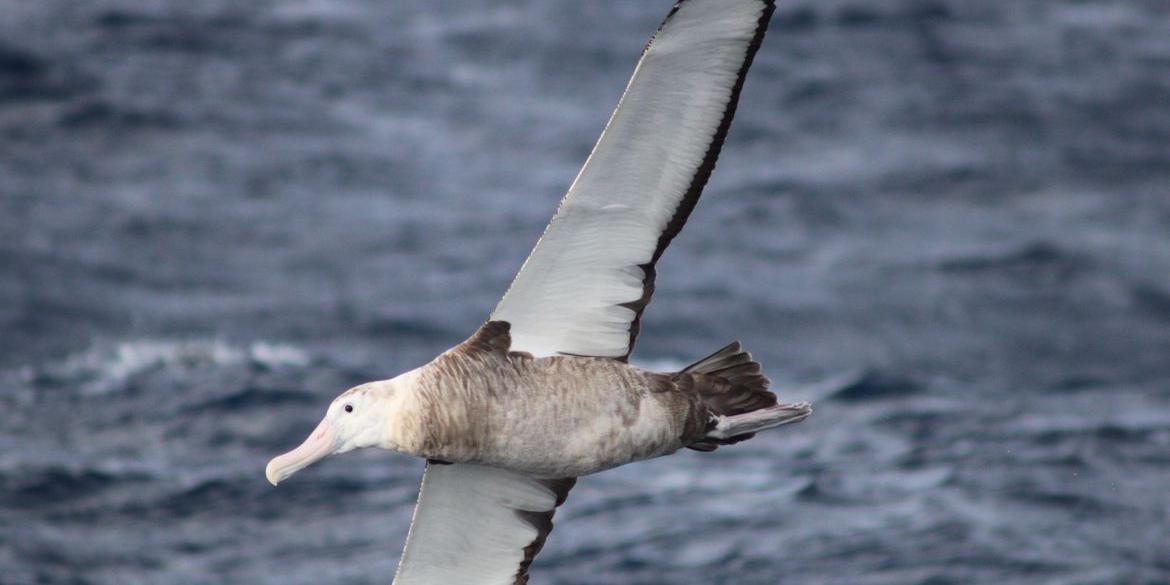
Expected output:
(543, 523)
(702, 173)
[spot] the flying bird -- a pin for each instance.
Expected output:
(543, 392)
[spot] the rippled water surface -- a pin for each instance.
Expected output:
(215, 215)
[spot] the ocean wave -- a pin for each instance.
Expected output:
(24, 487)
(873, 385)
(106, 368)
(1031, 260)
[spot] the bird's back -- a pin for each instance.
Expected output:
(558, 416)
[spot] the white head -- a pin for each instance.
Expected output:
(359, 417)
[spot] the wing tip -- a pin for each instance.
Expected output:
(542, 521)
(707, 166)
(769, 6)
(710, 158)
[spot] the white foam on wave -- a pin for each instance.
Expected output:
(105, 368)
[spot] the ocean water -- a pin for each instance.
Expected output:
(945, 222)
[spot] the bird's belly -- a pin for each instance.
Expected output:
(582, 436)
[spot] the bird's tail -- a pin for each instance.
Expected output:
(735, 390)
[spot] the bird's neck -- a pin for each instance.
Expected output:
(440, 411)
(404, 420)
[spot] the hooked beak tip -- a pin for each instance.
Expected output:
(321, 443)
(270, 473)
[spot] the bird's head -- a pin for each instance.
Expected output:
(359, 417)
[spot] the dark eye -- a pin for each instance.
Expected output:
(349, 408)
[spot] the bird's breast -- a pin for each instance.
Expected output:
(557, 417)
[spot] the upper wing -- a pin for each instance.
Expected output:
(583, 288)
(478, 525)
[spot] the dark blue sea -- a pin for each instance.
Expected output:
(945, 222)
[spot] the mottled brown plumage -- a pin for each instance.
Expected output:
(566, 416)
(514, 428)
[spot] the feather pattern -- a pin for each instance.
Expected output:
(585, 284)
(583, 288)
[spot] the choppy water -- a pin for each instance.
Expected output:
(217, 215)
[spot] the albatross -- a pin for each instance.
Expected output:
(543, 392)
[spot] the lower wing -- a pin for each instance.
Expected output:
(476, 524)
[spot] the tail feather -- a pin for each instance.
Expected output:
(733, 387)
(730, 382)
(732, 427)
(732, 364)
(711, 444)
(722, 357)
